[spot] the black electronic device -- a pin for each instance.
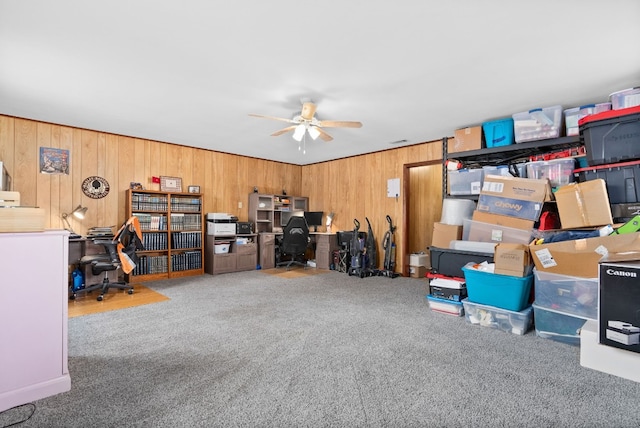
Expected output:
(345, 237)
(314, 218)
(244, 228)
(286, 215)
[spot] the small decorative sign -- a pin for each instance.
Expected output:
(194, 189)
(170, 184)
(54, 161)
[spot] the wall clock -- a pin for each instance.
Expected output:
(95, 187)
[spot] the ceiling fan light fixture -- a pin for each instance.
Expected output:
(299, 132)
(313, 132)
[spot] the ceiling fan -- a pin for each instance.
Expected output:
(306, 121)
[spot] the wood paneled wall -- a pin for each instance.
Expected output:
(352, 188)
(356, 187)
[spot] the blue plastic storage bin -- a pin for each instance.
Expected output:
(498, 133)
(501, 291)
(557, 325)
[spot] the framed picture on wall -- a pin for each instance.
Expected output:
(170, 184)
(194, 189)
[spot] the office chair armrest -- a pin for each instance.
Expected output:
(103, 242)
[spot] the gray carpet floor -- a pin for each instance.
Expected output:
(255, 350)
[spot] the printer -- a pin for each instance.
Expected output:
(221, 224)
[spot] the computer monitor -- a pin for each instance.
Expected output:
(314, 218)
(286, 215)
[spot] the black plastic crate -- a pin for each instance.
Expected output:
(622, 180)
(450, 262)
(611, 136)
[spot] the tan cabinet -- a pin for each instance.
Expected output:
(326, 243)
(267, 254)
(269, 213)
(240, 257)
(246, 256)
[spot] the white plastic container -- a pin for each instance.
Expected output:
(496, 170)
(477, 231)
(221, 248)
(558, 171)
(625, 98)
(498, 318)
(537, 124)
(568, 294)
(571, 117)
(465, 181)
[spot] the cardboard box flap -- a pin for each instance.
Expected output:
(580, 257)
(627, 256)
(533, 189)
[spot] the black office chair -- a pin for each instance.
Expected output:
(295, 240)
(120, 253)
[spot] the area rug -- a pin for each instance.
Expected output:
(86, 304)
(294, 272)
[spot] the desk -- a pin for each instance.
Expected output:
(323, 245)
(80, 247)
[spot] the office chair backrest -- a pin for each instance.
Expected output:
(295, 236)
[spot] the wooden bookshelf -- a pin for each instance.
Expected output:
(173, 232)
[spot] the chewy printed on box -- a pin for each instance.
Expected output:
(514, 197)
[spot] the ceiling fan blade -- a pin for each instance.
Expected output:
(339, 124)
(324, 135)
(281, 119)
(308, 110)
(284, 130)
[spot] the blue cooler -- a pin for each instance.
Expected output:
(502, 291)
(498, 133)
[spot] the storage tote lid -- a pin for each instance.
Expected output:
(609, 114)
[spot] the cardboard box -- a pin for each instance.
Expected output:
(469, 138)
(503, 220)
(22, 219)
(514, 197)
(619, 313)
(584, 204)
(512, 259)
(443, 234)
(419, 259)
(417, 271)
(580, 257)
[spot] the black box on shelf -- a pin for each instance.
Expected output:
(244, 228)
(622, 213)
(449, 262)
(619, 310)
(611, 136)
(622, 179)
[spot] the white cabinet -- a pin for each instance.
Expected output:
(33, 316)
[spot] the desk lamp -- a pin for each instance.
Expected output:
(78, 213)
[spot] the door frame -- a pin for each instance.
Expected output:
(405, 206)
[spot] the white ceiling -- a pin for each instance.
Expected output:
(189, 72)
